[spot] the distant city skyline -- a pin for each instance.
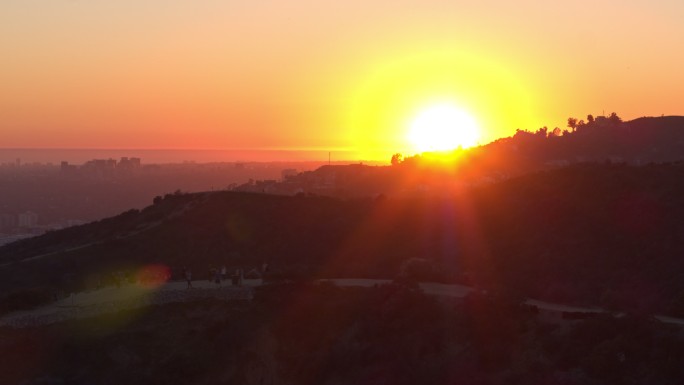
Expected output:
(156, 156)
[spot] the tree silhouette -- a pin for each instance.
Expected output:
(580, 124)
(614, 119)
(396, 159)
(542, 131)
(572, 123)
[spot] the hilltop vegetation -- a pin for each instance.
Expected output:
(638, 142)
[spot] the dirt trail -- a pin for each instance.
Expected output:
(110, 299)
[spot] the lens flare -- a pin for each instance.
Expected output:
(153, 276)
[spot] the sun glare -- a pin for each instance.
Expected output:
(443, 127)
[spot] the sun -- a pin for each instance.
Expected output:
(443, 127)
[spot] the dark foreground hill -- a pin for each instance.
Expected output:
(601, 234)
(318, 334)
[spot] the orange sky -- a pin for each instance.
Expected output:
(324, 75)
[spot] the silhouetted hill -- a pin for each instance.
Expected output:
(193, 230)
(604, 234)
(640, 141)
(660, 137)
(637, 142)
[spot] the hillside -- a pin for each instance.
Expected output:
(639, 141)
(613, 233)
(320, 334)
(595, 234)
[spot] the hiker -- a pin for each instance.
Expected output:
(188, 277)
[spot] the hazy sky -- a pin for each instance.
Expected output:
(324, 74)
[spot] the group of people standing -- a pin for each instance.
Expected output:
(218, 275)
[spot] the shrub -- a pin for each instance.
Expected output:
(25, 299)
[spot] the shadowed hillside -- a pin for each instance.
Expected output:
(320, 334)
(609, 235)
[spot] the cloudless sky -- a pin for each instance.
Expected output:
(316, 74)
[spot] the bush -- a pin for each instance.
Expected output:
(25, 299)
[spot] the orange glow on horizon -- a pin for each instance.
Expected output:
(388, 99)
(321, 75)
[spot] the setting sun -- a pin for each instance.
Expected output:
(443, 127)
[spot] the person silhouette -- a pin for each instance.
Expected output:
(188, 277)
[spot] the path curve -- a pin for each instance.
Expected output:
(460, 291)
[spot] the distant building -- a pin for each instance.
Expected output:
(28, 219)
(266, 186)
(101, 168)
(288, 173)
(124, 164)
(101, 164)
(67, 169)
(127, 163)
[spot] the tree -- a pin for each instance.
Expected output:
(580, 125)
(572, 123)
(614, 119)
(590, 119)
(396, 159)
(522, 133)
